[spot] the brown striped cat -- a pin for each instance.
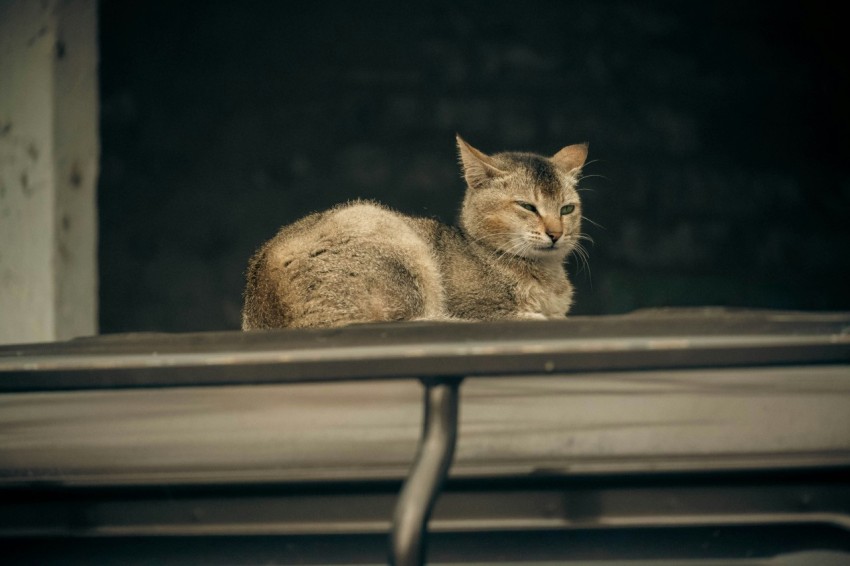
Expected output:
(362, 262)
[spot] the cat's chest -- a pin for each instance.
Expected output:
(549, 294)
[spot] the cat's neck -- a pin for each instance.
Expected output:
(518, 265)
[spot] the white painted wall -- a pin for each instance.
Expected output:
(48, 170)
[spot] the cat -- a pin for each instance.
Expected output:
(363, 262)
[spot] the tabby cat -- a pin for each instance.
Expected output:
(362, 262)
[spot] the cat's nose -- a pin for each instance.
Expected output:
(553, 235)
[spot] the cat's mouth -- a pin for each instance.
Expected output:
(549, 248)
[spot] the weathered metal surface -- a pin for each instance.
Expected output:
(648, 341)
(809, 497)
(697, 424)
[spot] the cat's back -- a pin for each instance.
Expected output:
(356, 223)
(356, 262)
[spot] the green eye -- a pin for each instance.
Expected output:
(567, 208)
(527, 206)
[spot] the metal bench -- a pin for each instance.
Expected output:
(673, 347)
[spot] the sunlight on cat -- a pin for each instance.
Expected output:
(362, 262)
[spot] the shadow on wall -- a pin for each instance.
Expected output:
(717, 137)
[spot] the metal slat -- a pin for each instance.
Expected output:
(429, 350)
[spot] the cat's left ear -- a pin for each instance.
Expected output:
(571, 157)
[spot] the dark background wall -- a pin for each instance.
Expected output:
(718, 133)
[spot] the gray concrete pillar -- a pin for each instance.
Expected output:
(48, 169)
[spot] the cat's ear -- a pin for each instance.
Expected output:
(571, 157)
(478, 167)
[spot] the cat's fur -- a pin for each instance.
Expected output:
(362, 262)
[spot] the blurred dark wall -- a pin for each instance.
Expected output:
(718, 133)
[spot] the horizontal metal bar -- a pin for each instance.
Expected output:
(428, 350)
(479, 504)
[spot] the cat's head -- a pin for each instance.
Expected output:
(521, 203)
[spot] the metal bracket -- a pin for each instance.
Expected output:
(429, 470)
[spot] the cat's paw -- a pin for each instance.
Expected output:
(441, 318)
(531, 316)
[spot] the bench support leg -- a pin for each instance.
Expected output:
(430, 468)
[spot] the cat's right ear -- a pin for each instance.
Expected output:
(478, 167)
(571, 157)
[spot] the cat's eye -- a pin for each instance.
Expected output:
(528, 206)
(567, 208)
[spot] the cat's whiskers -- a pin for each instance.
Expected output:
(591, 162)
(581, 254)
(500, 250)
(516, 245)
(493, 235)
(583, 177)
(598, 225)
(518, 249)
